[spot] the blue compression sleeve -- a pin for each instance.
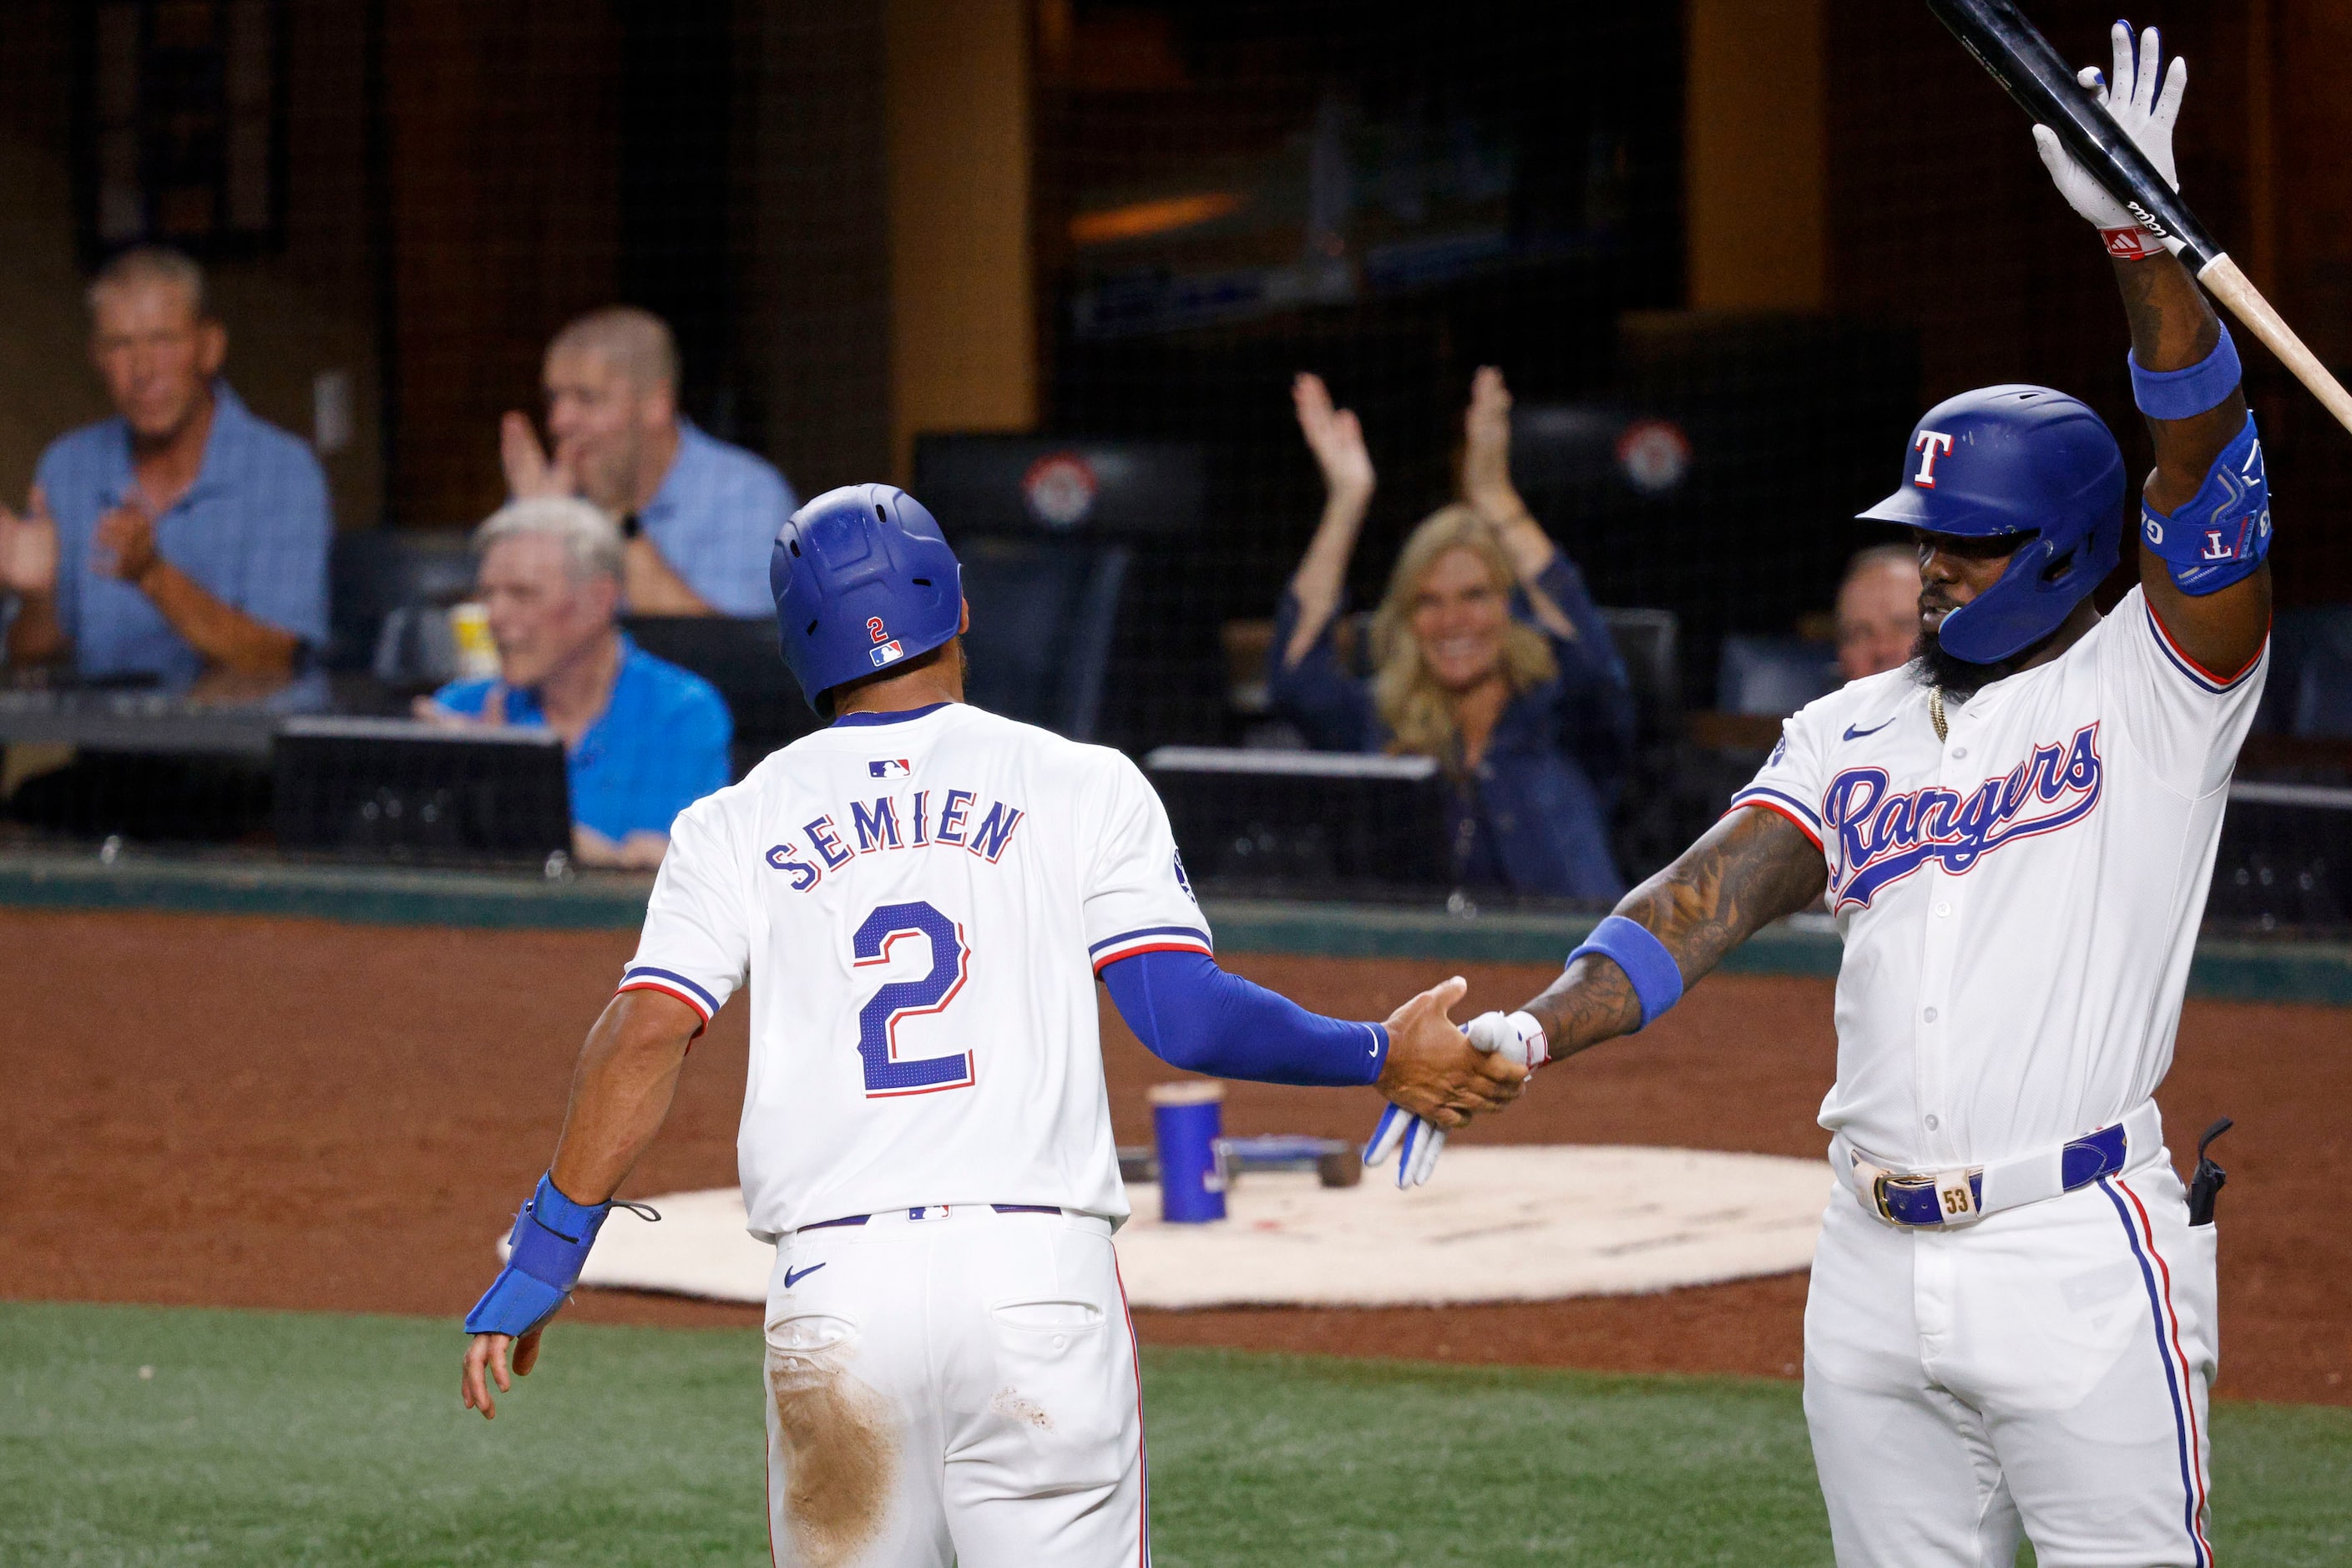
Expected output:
(1194, 1015)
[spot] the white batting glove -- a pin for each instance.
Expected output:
(2144, 113)
(1413, 1140)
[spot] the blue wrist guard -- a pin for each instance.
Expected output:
(2186, 393)
(1657, 978)
(2221, 534)
(545, 1252)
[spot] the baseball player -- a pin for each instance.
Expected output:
(2011, 1317)
(922, 897)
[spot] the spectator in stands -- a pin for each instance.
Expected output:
(1487, 655)
(1878, 611)
(644, 739)
(182, 536)
(698, 515)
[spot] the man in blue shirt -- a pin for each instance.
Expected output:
(181, 537)
(699, 516)
(643, 739)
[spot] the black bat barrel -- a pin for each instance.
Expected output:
(2043, 85)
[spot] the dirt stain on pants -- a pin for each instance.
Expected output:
(840, 1455)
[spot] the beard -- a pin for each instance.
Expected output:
(1932, 666)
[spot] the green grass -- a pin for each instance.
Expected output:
(271, 1438)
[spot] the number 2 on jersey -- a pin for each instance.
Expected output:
(877, 1020)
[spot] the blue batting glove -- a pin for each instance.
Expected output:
(545, 1252)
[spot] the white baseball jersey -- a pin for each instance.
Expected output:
(2019, 902)
(921, 902)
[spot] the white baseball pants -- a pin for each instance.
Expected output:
(957, 1388)
(2044, 1370)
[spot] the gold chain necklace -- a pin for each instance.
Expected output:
(1936, 714)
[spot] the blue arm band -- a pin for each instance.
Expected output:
(2220, 534)
(1194, 1015)
(1657, 978)
(2186, 393)
(546, 1251)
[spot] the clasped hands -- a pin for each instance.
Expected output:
(1439, 1074)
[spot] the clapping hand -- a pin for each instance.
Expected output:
(123, 543)
(1486, 449)
(29, 549)
(1512, 1038)
(530, 472)
(1336, 438)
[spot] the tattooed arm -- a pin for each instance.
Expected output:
(1748, 869)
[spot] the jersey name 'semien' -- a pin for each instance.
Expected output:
(962, 822)
(920, 903)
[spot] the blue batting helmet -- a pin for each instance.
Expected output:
(862, 578)
(2015, 460)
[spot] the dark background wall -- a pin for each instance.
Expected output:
(460, 178)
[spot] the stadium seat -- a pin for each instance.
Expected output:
(1048, 529)
(372, 573)
(1773, 677)
(1044, 612)
(741, 660)
(1649, 643)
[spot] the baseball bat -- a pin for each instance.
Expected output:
(2041, 83)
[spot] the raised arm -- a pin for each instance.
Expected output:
(1336, 440)
(1487, 485)
(2173, 328)
(2205, 524)
(1750, 869)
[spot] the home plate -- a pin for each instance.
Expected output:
(1527, 1222)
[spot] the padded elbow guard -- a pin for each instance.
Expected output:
(2221, 534)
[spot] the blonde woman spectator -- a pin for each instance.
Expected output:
(1488, 656)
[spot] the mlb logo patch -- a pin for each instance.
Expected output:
(888, 653)
(888, 768)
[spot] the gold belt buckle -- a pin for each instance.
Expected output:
(1878, 1186)
(1955, 1198)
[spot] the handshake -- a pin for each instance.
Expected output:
(1439, 1074)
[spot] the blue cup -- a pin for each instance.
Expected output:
(1187, 1123)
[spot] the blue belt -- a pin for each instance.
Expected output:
(999, 1208)
(1919, 1201)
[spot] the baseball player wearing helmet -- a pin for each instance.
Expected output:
(2012, 1318)
(922, 897)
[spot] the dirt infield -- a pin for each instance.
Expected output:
(252, 1112)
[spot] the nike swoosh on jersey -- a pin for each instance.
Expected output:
(1853, 734)
(791, 1278)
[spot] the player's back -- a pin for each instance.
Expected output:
(915, 897)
